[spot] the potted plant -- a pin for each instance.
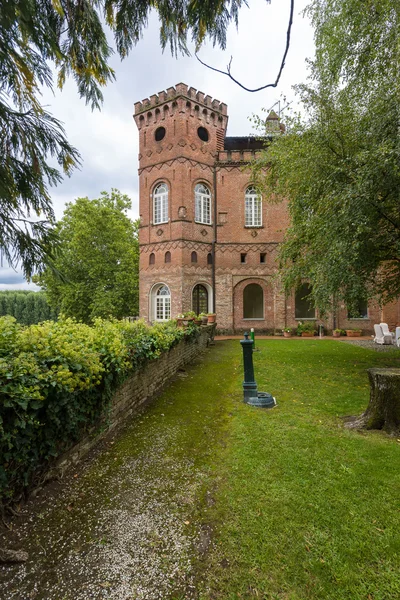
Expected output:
(197, 320)
(306, 329)
(353, 332)
(287, 332)
(180, 320)
(190, 315)
(337, 332)
(204, 318)
(211, 317)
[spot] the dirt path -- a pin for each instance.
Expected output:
(128, 523)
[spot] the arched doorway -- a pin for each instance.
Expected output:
(200, 299)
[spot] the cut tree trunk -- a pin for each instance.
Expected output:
(383, 411)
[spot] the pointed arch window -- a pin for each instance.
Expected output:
(253, 208)
(202, 201)
(160, 204)
(200, 299)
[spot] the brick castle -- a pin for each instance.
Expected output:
(208, 242)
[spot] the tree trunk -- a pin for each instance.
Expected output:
(383, 411)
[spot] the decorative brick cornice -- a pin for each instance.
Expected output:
(174, 244)
(172, 161)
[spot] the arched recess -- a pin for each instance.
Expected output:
(160, 302)
(253, 301)
(267, 320)
(202, 298)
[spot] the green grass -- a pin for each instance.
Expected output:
(304, 509)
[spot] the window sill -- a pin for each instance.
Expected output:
(254, 226)
(253, 319)
(160, 223)
(306, 319)
(358, 319)
(201, 223)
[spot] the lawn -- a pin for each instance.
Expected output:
(303, 508)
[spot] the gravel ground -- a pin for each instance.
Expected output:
(370, 344)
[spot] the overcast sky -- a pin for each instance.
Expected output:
(108, 140)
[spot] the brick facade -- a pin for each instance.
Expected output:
(229, 255)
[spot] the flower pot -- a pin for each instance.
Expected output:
(307, 334)
(197, 321)
(179, 322)
(211, 318)
(204, 320)
(287, 334)
(336, 333)
(353, 333)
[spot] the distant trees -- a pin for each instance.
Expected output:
(98, 260)
(28, 308)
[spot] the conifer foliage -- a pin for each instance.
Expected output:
(69, 35)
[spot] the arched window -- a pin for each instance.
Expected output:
(162, 303)
(152, 259)
(303, 307)
(200, 299)
(253, 208)
(160, 204)
(202, 204)
(253, 302)
(167, 257)
(209, 259)
(194, 257)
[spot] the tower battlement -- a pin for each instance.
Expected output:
(180, 98)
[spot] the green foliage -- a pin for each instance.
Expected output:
(307, 327)
(36, 35)
(99, 259)
(57, 380)
(28, 308)
(338, 166)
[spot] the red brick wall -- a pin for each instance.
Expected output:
(181, 159)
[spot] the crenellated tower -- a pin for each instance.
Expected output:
(181, 131)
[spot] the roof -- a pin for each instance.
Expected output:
(243, 143)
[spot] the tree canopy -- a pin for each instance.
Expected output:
(98, 256)
(69, 35)
(339, 164)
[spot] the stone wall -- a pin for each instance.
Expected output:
(136, 391)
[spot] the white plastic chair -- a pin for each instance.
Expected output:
(397, 337)
(380, 337)
(385, 329)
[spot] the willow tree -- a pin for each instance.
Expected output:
(339, 163)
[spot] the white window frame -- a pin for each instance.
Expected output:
(252, 208)
(162, 303)
(202, 204)
(160, 204)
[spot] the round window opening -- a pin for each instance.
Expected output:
(159, 134)
(203, 134)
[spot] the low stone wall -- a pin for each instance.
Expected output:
(136, 391)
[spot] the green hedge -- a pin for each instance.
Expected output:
(57, 380)
(27, 307)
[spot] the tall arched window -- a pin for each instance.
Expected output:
(162, 303)
(253, 302)
(303, 307)
(167, 257)
(253, 208)
(202, 204)
(200, 299)
(194, 257)
(160, 204)
(152, 259)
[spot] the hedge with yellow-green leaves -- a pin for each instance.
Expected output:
(57, 379)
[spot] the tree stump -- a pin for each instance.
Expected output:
(383, 411)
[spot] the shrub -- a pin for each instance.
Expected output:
(308, 326)
(57, 380)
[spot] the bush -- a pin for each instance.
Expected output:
(57, 381)
(308, 326)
